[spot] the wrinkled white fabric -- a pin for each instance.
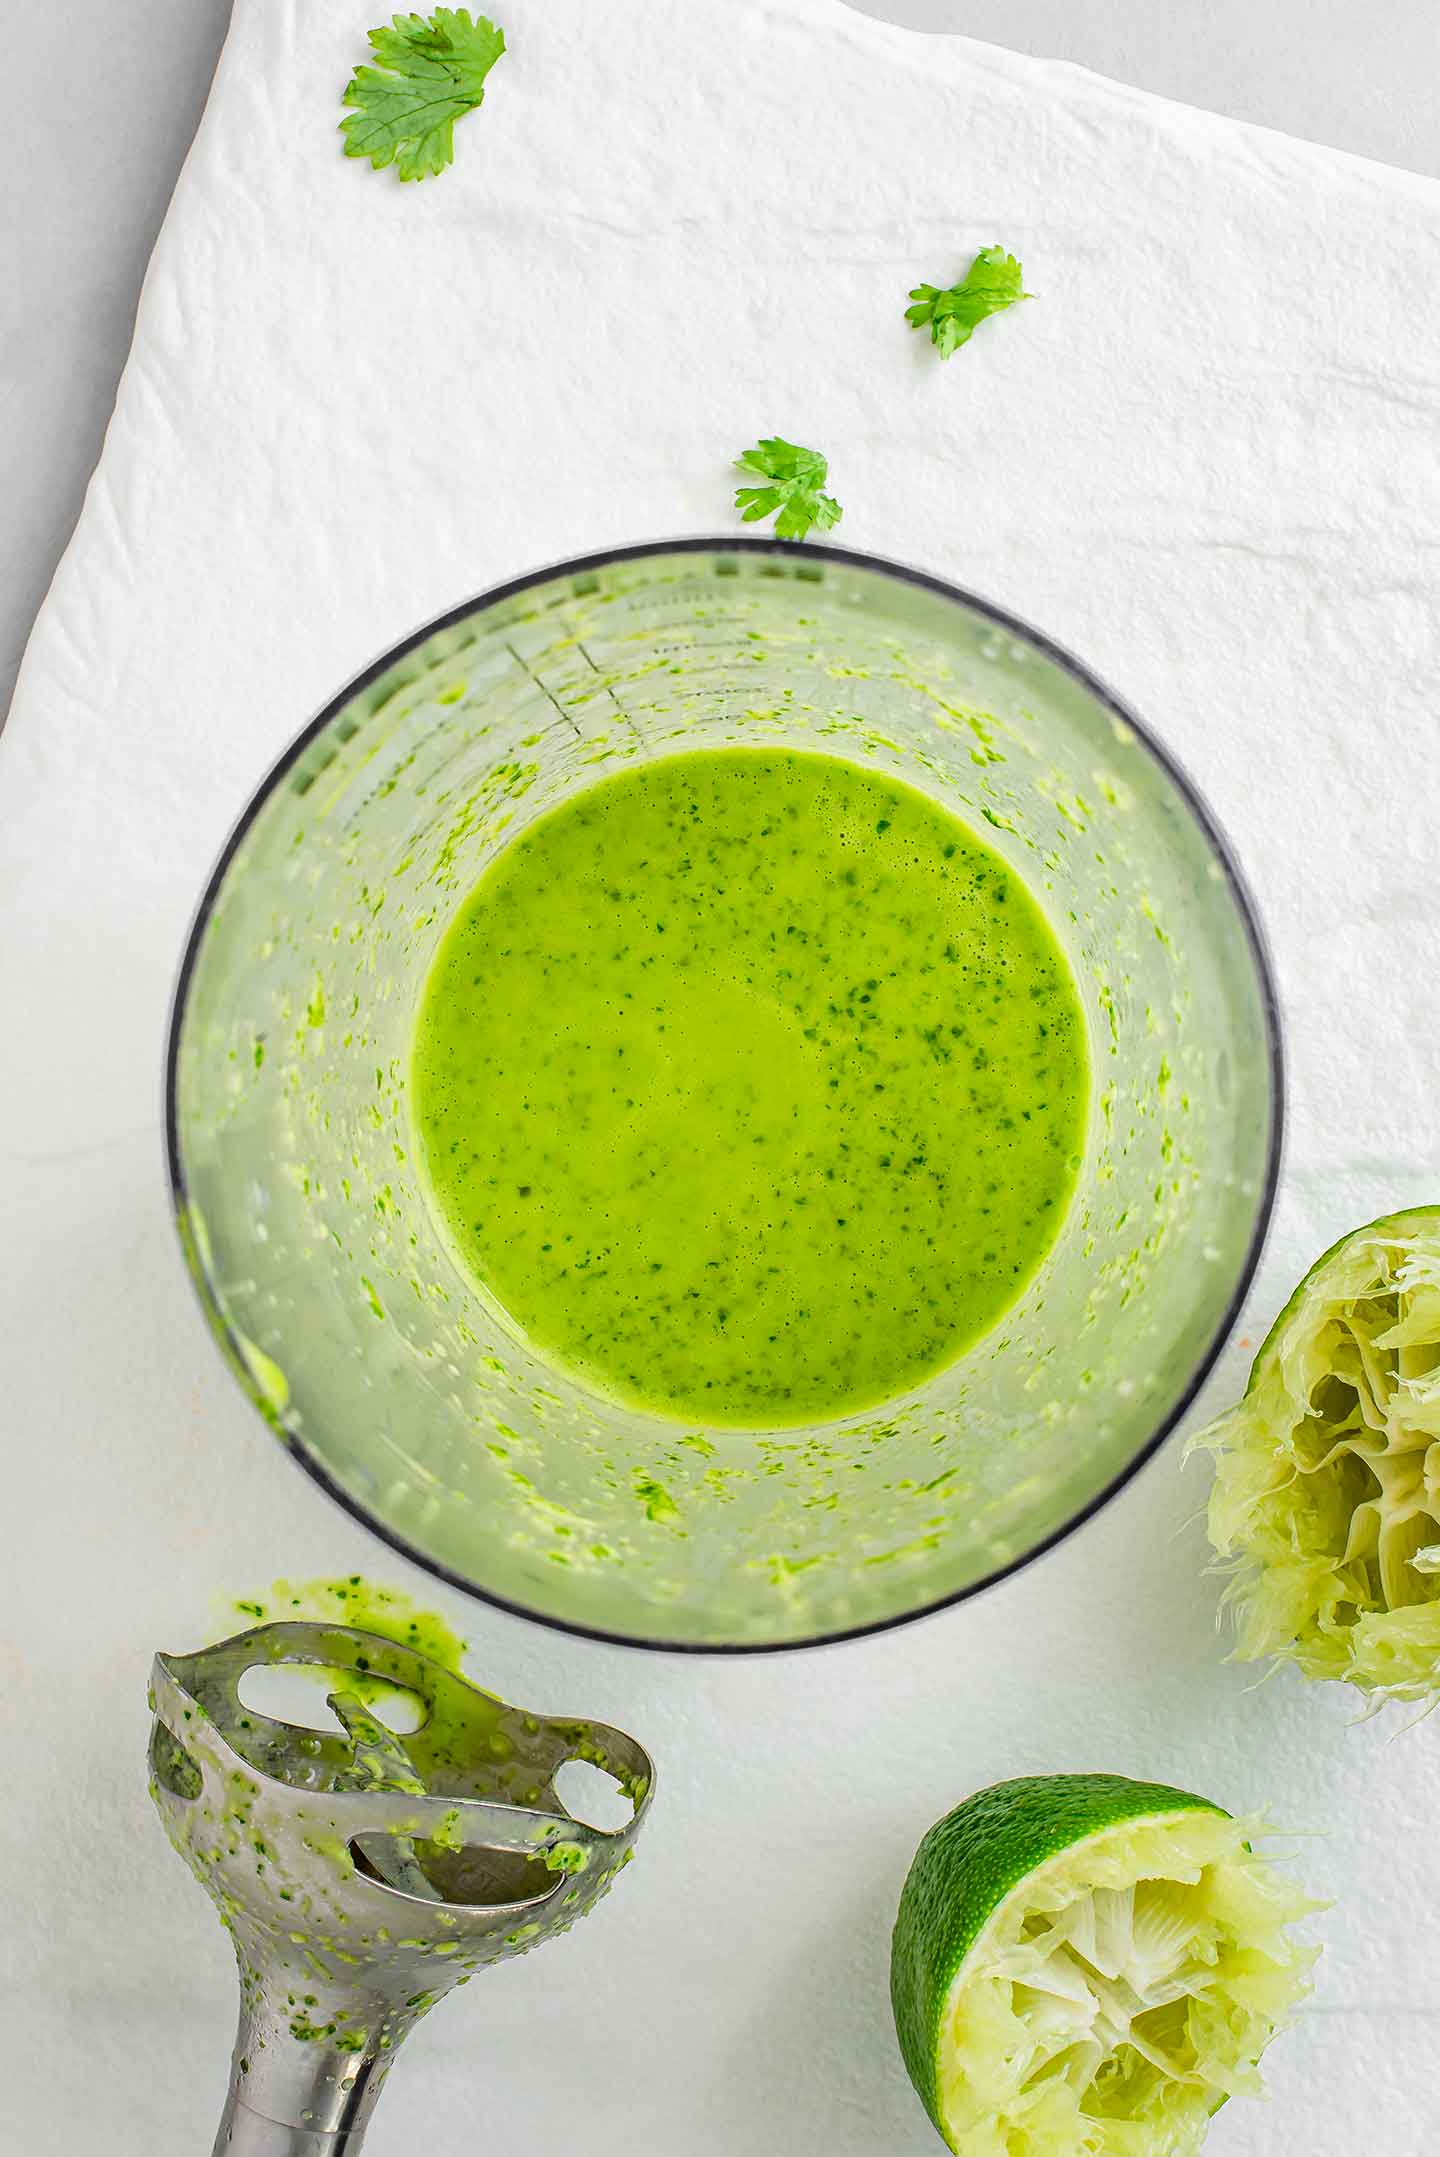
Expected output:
(1207, 457)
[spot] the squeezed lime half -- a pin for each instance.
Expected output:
(1326, 1503)
(1085, 1966)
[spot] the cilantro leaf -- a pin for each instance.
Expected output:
(796, 477)
(992, 283)
(429, 75)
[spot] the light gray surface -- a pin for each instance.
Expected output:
(73, 249)
(1363, 78)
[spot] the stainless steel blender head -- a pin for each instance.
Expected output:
(362, 1875)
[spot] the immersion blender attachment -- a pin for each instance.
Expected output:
(361, 1875)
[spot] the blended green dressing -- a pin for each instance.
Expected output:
(752, 1085)
(353, 1600)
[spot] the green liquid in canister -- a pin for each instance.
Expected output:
(752, 1085)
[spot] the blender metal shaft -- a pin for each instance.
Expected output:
(311, 2100)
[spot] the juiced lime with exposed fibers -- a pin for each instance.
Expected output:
(1085, 1966)
(1327, 1487)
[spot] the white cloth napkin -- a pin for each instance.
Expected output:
(1207, 456)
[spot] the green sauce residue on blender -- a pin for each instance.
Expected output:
(356, 1601)
(752, 1085)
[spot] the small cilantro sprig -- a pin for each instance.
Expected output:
(796, 476)
(429, 75)
(992, 283)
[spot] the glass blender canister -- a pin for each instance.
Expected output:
(398, 1383)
